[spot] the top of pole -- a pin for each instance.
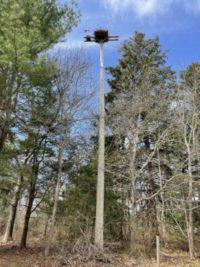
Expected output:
(100, 36)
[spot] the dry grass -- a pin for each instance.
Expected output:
(83, 254)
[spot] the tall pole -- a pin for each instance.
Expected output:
(99, 222)
(100, 36)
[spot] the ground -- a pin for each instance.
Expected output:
(12, 256)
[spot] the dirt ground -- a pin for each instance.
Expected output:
(12, 256)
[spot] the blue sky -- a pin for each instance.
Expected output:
(176, 22)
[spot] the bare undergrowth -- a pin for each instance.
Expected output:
(84, 252)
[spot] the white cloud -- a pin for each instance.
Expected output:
(143, 8)
(192, 6)
(140, 7)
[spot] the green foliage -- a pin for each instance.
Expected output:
(29, 27)
(191, 76)
(80, 202)
(42, 73)
(142, 65)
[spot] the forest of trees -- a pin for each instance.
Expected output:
(49, 133)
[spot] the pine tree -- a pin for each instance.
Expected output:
(139, 98)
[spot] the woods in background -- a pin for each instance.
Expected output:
(48, 138)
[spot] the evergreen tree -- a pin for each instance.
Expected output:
(140, 96)
(28, 28)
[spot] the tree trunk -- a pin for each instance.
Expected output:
(28, 212)
(56, 198)
(188, 142)
(190, 212)
(133, 198)
(61, 145)
(132, 172)
(132, 223)
(161, 213)
(13, 210)
(151, 210)
(46, 228)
